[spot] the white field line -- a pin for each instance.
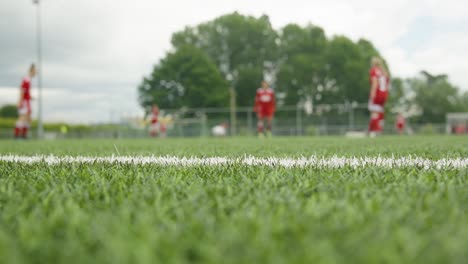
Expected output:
(311, 162)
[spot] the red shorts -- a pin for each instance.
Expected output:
(380, 97)
(265, 113)
(25, 108)
(400, 126)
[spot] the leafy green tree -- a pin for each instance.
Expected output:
(9, 111)
(302, 64)
(244, 48)
(302, 67)
(397, 92)
(426, 98)
(463, 102)
(249, 78)
(323, 71)
(184, 78)
(398, 101)
(368, 51)
(347, 71)
(435, 96)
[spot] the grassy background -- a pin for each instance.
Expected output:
(105, 213)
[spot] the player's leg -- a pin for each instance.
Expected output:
(381, 123)
(373, 123)
(24, 132)
(154, 130)
(375, 118)
(163, 130)
(269, 120)
(260, 127)
(28, 119)
(21, 121)
(19, 127)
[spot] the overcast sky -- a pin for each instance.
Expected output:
(97, 51)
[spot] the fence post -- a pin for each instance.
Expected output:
(350, 116)
(298, 121)
(325, 125)
(204, 131)
(249, 122)
(180, 129)
(232, 94)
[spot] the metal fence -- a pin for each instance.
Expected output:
(288, 121)
(337, 119)
(333, 119)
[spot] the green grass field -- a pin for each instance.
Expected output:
(430, 147)
(124, 213)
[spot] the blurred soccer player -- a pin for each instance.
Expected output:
(400, 124)
(380, 83)
(166, 122)
(154, 129)
(265, 104)
(24, 105)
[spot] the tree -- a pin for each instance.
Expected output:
(300, 62)
(243, 48)
(368, 51)
(435, 96)
(318, 70)
(348, 70)
(249, 78)
(184, 78)
(398, 100)
(9, 111)
(427, 98)
(463, 102)
(301, 66)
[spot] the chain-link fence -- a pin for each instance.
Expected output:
(332, 119)
(337, 119)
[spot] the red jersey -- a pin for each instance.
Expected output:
(265, 100)
(154, 115)
(26, 88)
(154, 119)
(400, 122)
(383, 85)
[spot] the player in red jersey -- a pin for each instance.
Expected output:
(24, 105)
(154, 129)
(380, 84)
(265, 106)
(400, 124)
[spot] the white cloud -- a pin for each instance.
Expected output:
(108, 45)
(62, 105)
